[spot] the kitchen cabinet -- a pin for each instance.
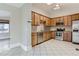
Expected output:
(44, 36)
(53, 22)
(65, 20)
(67, 36)
(69, 20)
(42, 17)
(47, 21)
(53, 35)
(33, 18)
(57, 19)
(34, 38)
(75, 17)
(37, 19)
(48, 35)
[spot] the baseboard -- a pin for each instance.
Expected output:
(23, 47)
(15, 45)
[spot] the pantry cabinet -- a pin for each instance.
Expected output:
(67, 36)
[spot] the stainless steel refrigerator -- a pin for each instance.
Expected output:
(75, 31)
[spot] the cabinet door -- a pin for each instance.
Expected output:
(37, 19)
(53, 22)
(65, 36)
(65, 20)
(57, 19)
(47, 21)
(53, 35)
(69, 36)
(42, 17)
(33, 18)
(34, 39)
(49, 35)
(44, 36)
(75, 17)
(69, 21)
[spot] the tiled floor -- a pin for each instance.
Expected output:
(49, 48)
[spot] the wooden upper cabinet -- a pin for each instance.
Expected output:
(47, 21)
(53, 22)
(37, 19)
(65, 20)
(75, 17)
(42, 17)
(33, 18)
(57, 19)
(61, 19)
(69, 21)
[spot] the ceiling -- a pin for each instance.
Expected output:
(65, 8)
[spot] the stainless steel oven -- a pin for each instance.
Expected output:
(59, 35)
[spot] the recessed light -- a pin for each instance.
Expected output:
(49, 3)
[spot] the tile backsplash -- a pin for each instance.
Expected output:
(69, 28)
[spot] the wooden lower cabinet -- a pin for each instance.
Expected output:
(48, 35)
(44, 36)
(34, 39)
(67, 36)
(53, 34)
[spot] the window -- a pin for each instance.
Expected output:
(4, 28)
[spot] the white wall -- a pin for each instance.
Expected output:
(15, 20)
(26, 27)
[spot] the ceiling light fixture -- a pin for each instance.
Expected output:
(57, 6)
(49, 3)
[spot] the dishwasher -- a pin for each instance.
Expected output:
(40, 37)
